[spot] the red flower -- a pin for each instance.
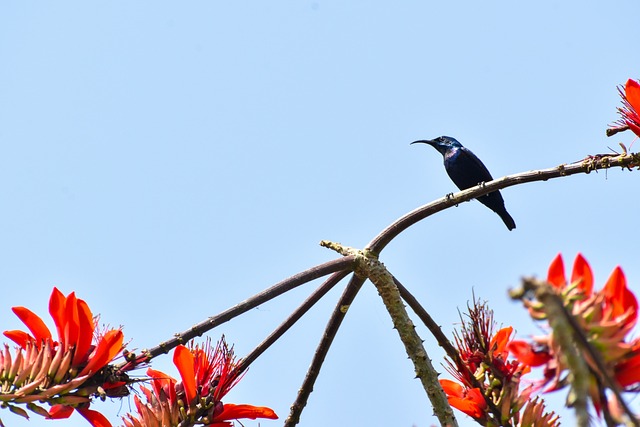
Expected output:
(207, 375)
(69, 368)
(618, 303)
(489, 383)
(630, 110)
(75, 326)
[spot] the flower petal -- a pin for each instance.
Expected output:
(628, 372)
(59, 412)
(632, 93)
(86, 327)
(525, 353)
(631, 111)
(72, 326)
(35, 324)
(94, 417)
(163, 383)
(556, 272)
(582, 273)
(19, 337)
(500, 340)
(108, 347)
(184, 361)
(452, 388)
(469, 401)
(473, 404)
(57, 303)
(231, 411)
(620, 298)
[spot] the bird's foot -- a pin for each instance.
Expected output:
(449, 197)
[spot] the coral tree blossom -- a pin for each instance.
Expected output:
(64, 372)
(207, 374)
(605, 317)
(488, 386)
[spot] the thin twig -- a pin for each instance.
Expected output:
(329, 334)
(250, 303)
(292, 319)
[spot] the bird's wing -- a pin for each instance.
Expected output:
(466, 170)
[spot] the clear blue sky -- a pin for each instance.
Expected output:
(167, 160)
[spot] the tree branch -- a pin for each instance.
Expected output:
(339, 312)
(591, 163)
(377, 244)
(292, 282)
(368, 265)
(292, 319)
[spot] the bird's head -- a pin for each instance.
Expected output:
(441, 143)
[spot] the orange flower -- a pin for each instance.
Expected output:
(75, 326)
(67, 372)
(489, 383)
(207, 375)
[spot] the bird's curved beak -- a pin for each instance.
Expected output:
(424, 141)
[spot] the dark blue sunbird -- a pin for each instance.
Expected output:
(466, 171)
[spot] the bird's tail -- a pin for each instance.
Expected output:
(506, 218)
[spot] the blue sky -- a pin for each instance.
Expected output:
(166, 161)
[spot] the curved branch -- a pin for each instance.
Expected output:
(591, 163)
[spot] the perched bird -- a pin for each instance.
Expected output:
(466, 170)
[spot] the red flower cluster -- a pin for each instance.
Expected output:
(207, 375)
(69, 371)
(605, 318)
(65, 372)
(489, 383)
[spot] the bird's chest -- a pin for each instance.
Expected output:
(453, 161)
(463, 169)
